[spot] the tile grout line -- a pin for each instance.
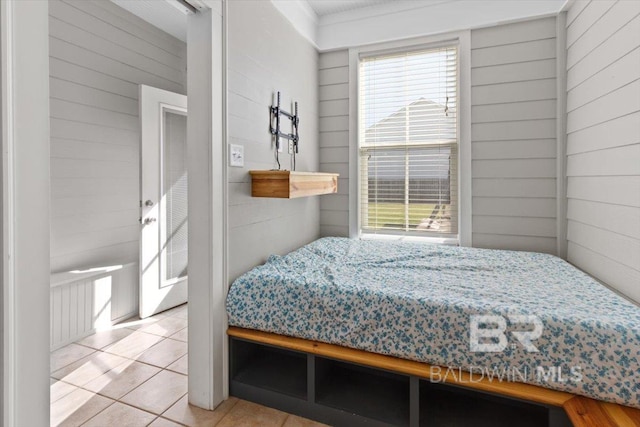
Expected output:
(228, 412)
(171, 406)
(83, 386)
(99, 412)
(97, 351)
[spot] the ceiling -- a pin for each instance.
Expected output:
(163, 14)
(332, 24)
(327, 7)
(167, 16)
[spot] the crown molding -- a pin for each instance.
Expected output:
(398, 20)
(403, 19)
(303, 18)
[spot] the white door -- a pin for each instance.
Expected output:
(163, 242)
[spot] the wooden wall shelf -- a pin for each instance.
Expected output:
(292, 184)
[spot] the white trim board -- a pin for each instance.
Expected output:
(206, 159)
(25, 202)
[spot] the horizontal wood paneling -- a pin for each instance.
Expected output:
(517, 111)
(515, 187)
(513, 135)
(609, 270)
(517, 72)
(618, 45)
(586, 18)
(500, 93)
(514, 149)
(334, 140)
(515, 226)
(266, 55)
(617, 190)
(514, 168)
(515, 242)
(523, 51)
(616, 161)
(526, 31)
(334, 91)
(620, 73)
(515, 206)
(99, 54)
(603, 142)
(612, 16)
(598, 137)
(618, 103)
(624, 220)
(625, 250)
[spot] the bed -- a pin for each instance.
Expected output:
(418, 302)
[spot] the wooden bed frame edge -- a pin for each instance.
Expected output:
(582, 411)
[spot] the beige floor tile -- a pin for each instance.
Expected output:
(247, 414)
(164, 327)
(193, 416)
(77, 407)
(60, 389)
(121, 380)
(179, 311)
(92, 366)
(159, 393)
(182, 314)
(163, 422)
(133, 345)
(120, 415)
(102, 339)
(295, 421)
(67, 355)
(181, 335)
(164, 353)
(180, 366)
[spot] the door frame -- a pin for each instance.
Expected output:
(24, 42)
(208, 204)
(153, 102)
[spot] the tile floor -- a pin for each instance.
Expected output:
(135, 375)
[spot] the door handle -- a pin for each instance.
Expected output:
(148, 221)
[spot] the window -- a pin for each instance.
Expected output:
(408, 143)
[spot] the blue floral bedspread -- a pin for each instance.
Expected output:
(418, 302)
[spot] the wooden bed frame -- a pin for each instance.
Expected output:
(581, 411)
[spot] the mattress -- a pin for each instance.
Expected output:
(501, 315)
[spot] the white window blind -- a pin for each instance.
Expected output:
(408, 143)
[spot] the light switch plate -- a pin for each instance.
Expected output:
(236, 155)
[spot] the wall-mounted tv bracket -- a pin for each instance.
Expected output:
(276, 112)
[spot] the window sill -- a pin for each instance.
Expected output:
(420, 239)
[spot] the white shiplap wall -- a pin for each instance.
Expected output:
(334, 140)
(266, 55)
(513, 134)
(603, 141)
(99, 54)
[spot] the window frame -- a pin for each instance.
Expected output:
(462, 41)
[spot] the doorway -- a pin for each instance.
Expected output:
(163, 203)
